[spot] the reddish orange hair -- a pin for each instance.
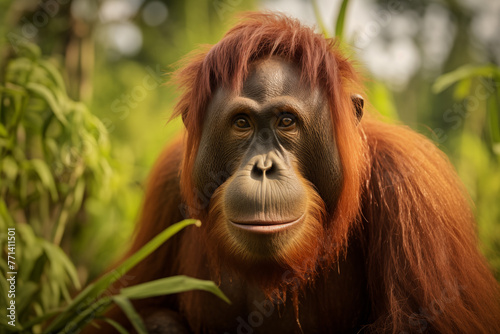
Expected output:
(424, 268)
(418, 228)
(401, 199)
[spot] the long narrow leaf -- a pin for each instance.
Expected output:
(151, 246)
(131, 313)
(57, 256)
(466, 71)
(45, 175)
(81, 318)
(93, 291)
(54, 74)
(494, 121)
(169, 285)
(3, 131)
(340, 22)
(40, 319)
(49, 97)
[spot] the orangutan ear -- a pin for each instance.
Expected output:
(358, 103)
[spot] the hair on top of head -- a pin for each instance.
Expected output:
(258, 35)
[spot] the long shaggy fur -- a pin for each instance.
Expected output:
(425, 270)
(400, 197)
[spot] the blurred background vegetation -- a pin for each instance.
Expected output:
(84, 109)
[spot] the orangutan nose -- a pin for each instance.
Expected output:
(263, 166)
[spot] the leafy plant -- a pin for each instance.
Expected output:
(92, 302)
(339, 21)
(54, 152)
(54, 157)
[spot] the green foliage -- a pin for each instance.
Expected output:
(92, 302)
(95, 299)
(53, 156)
(44, 276)
(380, 97)
(477, 148)
(54, 152)
(340, 21)
(463, 74)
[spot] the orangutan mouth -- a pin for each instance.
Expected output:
(266, 227)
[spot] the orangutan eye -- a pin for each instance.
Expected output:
(286, 121)
(241, 122)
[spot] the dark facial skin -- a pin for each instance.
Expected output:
(259, 140)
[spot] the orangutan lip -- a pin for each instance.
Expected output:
(266, 227)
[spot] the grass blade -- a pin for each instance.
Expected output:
(463, 72)
(93, 291)
(340, 22)
(169, 285)
(131, 313)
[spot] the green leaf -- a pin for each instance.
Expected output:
(40, 319)
(382, 100)
(24, 296)
(15, 101)
(49, 97)
(462, 89)
(54, 74)
(151, 246)
(131, 313)
(81, 317)
(58, 258)
(79, 191)
(5, 215)
(13, 89)
(45, 175)
(494, 121)
(3, 323)
(33, 262)
(340, 22)
(31, 50)
(464, 72)
(93, 291)
(3, 131)
(170, 285)
(9, 167)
